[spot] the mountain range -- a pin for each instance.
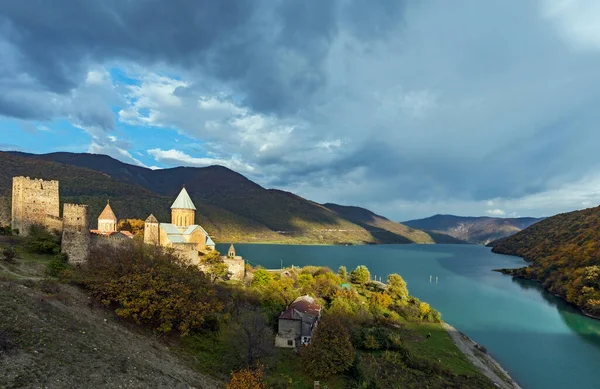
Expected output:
(230, 207)
(475, 230)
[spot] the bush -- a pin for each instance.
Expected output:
(41, 241)
(7, 231)
(250, 378)
(9, 254)
(151, 286)
(59, 263)
(6, 343)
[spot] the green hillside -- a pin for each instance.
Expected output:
(564, 252)
(230, 207)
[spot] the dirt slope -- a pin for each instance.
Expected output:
(52, 336)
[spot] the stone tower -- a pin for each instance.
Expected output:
(183, 211)
(231, 252)
(151, 231)
(76, 232)
(107, 221)
(35, 201)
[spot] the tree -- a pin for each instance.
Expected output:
(360, 275)
(250, 378)
(305, 280)
(397, 287)
(343, 273)
(213, 266)
(331, 351)
(257, 339)
(380, 300)
(135, 226)
(150, 286)
(261, 277)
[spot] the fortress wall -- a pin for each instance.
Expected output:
(237, 267)
(76, 232)
(186, 251)
(35, 201)
(4, 211)
(112, 241)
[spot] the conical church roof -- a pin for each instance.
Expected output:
(108, 213)
(151, 219)
(183, 201)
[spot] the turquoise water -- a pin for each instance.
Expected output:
(541, 341)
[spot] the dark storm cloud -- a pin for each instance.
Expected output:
(273, 50)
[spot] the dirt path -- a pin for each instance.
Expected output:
(485, 363)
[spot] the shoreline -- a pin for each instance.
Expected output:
(579, 309)
(486, 364)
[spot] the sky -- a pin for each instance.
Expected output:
(408, 108)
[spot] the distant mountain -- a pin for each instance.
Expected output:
(381, 227)
(476, 230)
(231, 207)
(564, 251)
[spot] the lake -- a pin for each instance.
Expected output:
(540, 340)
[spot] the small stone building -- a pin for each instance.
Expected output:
(297, 322)
(236, 264)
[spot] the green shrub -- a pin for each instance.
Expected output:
(8, 231)
(58, 264)
(41, 241)
(9, 254)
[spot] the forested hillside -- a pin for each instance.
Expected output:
(564, 252)
(476, 230)
(230, 207)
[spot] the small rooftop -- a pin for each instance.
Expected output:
(183, 201)
(303, 305)
(151, 219)
(108, 213)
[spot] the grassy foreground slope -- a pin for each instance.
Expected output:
(53, 336)
(564, 252)
(231, 207)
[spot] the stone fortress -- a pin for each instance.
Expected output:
(36, 201)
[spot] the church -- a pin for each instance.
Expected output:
(182, 235)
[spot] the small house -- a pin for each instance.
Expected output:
(297, 322)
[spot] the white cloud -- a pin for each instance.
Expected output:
(97, 77)
(495, 212)
(178, 158)
(577, 20)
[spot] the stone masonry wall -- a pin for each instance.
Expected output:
(237, 267)
(4, 211)
(35, 201)
(76, 232)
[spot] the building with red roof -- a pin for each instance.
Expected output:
(297, 322)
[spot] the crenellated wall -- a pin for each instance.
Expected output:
(35, 201)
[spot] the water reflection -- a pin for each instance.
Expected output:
(586, 327)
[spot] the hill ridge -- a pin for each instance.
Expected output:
(473, 229)
(232, 208)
